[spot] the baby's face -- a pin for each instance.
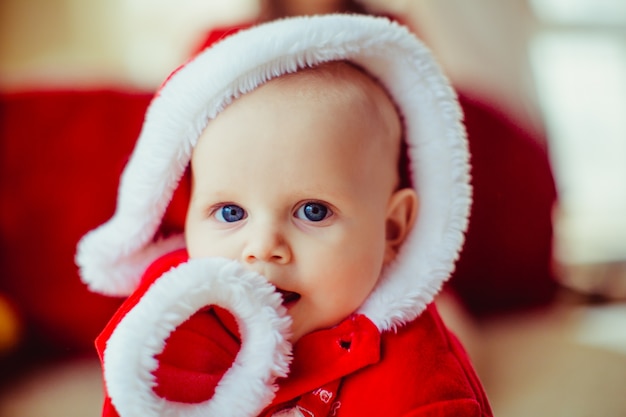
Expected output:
(296, 184)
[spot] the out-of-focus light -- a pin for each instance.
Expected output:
(581, 81)
(159, 35)
(601, 326)
(581, 11)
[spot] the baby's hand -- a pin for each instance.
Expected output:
(194, 339)
(196, 356)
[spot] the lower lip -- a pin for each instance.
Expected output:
(289, 305)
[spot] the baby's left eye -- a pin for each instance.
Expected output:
(230, 213)
(314, 212)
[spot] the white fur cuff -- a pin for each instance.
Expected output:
(247, 387)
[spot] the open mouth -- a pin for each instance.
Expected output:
(289, 297)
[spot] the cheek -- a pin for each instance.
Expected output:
(353, 269)
(362, 264)
(194, 243)
(340, 293)
(202, 242)
(362, 253)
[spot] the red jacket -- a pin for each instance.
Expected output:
(204, 336)
(421, 370)
(349, 370)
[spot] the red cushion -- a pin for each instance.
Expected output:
(62, 154)
(506, 263)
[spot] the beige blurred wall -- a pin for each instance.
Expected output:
(137, 43)
(94, 42)
(483, 46)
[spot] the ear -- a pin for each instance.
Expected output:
(401, 214)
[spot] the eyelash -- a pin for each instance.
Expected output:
(302, 209)
(218, 213)
(311, 211)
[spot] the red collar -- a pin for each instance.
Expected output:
(328, 355)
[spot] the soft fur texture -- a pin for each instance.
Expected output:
(352, 368)
(113, 257)
(140, 335)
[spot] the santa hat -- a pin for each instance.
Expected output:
(113, 257)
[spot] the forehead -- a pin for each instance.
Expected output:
(306, 109)
(302, 109)
(333, 114)
(336, 79)
(338, 90)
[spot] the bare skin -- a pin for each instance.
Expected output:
(298, 181)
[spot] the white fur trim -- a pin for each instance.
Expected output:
(247, 387)
(292, 412)
(111, 257)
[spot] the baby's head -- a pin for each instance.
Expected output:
(298, 176)
(298, 180)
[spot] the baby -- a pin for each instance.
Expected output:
(305, 198)
(303, 281)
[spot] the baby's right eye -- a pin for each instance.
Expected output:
(230, 213)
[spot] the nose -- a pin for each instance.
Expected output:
(268, 244)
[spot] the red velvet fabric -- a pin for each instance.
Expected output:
(427, 356)
(158, 268)
(61, 155)
(506, 262)
(195, 358)
(420, 370)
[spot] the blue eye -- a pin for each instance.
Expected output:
(230, 213)
(314, 212)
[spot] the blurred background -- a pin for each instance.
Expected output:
(543, 83)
